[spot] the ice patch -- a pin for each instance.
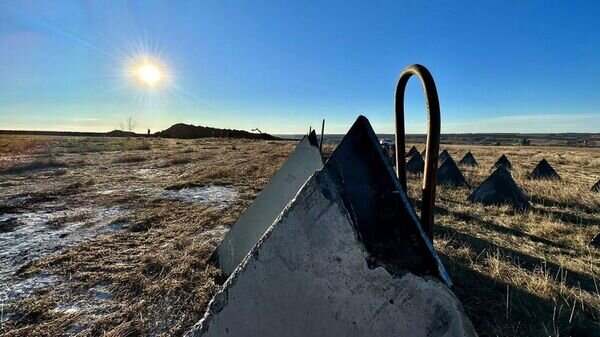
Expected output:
(37, 236)
(210, 194)
(69, 307)
(100, 293)
(24, 288)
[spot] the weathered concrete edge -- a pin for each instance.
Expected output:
(220, 299)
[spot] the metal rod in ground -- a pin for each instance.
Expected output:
(322, 131)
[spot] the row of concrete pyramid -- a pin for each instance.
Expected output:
(332, 249)
(498, 188)
(543, 170)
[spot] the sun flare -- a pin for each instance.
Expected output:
(149, 74)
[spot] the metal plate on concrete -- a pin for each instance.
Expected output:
(252, 224)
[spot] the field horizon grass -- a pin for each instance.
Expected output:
(516, 273)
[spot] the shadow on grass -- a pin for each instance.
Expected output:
(497, 228)
(37, 165)
(499, 309)
(530, 263)
(565, 205)
(569, 217)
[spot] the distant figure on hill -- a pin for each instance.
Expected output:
(148, 132)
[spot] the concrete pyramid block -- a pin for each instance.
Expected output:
(543, 170)
(443, 155)
(412, 152)
(450, 175)
(386, 151)
(283, 186)
(595, 241)
(500, 188)
(504, 162)
(392, 157)
(468, 160)
(415, 164)
(596, 187)
(347, 257)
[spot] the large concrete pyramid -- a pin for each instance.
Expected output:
(596, 187)
(347, 257)
(500, 188)
(412, 151)
(543, 170)
(443, 155)
(449, 174)
(468, 160)
(504, 162)
(253, 223)
(415, 163)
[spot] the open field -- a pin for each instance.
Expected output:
(111, 236)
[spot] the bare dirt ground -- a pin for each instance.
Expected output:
(111, 236)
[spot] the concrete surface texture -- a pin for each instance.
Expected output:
(468, 160)
(500, 188)
(346, 257)
(252, 224)
(449, 174)
(309, 276)
(543, 170)
(415, 164)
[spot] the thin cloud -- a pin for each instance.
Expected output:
(528, 123)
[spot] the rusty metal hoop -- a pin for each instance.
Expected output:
(433, 139)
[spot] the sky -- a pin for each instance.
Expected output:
(282, 66)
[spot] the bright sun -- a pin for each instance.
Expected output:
(149, 74)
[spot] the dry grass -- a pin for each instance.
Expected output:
(517, 274)
(130, 158)
(44, 163)
(531, 273)
(157, 269)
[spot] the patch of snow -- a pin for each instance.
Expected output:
(69, 307)
(37, 237)
(21, 289)
(210, 194)
(100, 293)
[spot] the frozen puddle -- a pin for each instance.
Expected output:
(92, 301)
(39, 234)
(210, 194)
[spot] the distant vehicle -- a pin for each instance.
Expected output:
(387, 142)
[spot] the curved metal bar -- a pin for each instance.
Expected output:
(433, 139)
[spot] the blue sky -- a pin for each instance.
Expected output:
(508, 66)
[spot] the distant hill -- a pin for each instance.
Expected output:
(121, 133)
(188, 131)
